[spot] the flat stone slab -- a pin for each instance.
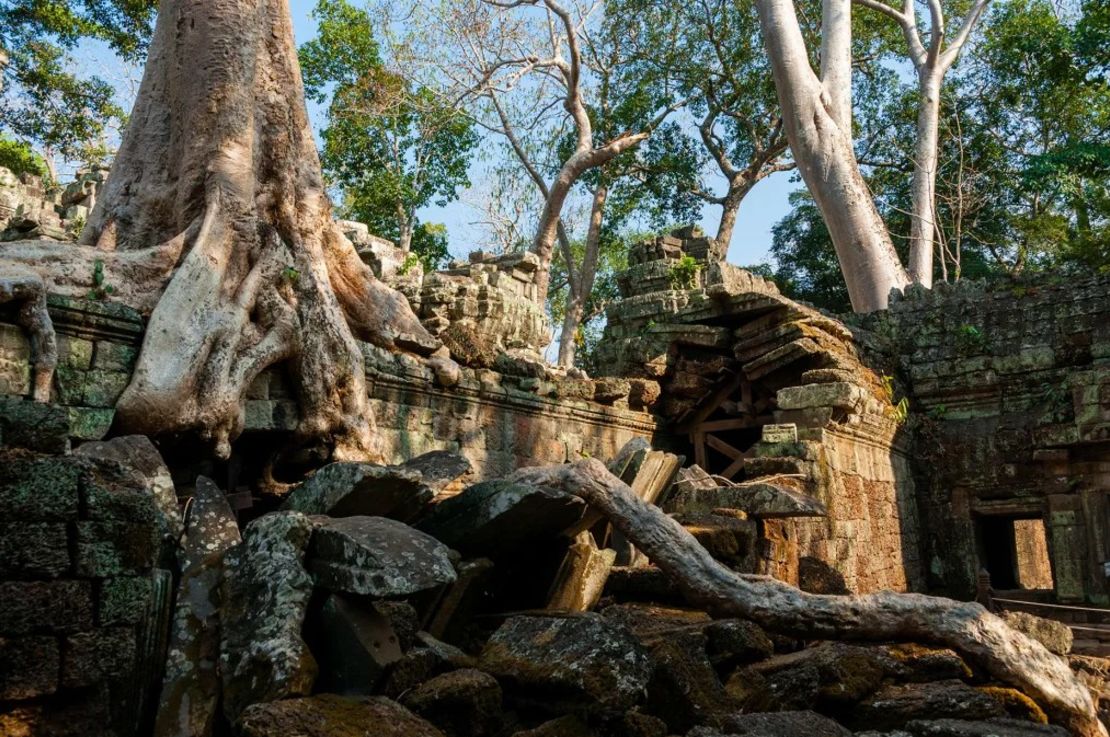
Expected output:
(362, 489)
(585, 661)
(757, 499)
(495, 518)
(377, 557)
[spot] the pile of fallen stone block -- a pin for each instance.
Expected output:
(409, 600)
(32, 210)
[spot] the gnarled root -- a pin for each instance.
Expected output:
(20, 284)
(966, 627)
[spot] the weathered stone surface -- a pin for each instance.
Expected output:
(440, 469)
(265, 593)
(27, 606)
(567, 726)
(585, 662)
(919, 663)
(364, 489)
(684, 689)
(124, 600)
(733, 642)
(775, 724)
(35, 426)
(462, 703)
(757, 499)
(191, 685)
(988, 728)
(892, 707)
(33, 549)
(377, 557)
(34, 489)
(328, 715)
(93, 657)
(498, 517)
(429, 658)
(29, 667)
(828, 675)
(139, 454)
(1056, 636)
(83, 713)
(354, 645)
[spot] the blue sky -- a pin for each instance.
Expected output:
(765, 205)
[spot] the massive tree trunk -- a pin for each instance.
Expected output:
(215, 221)
(965, 626)
(817, 120)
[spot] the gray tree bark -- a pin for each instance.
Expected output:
(967, 627)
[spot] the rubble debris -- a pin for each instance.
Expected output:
(1056, 636)
(497, 518)
(581, 662)
(440, 469)
(377, 557)
(462, 703)
(329, 715)
(581, 578)
(191, 685)
(758, 499)
(354, 645)
(265, 595)
(362, 489)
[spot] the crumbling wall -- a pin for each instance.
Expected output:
(29, 209)
(81, 597)
(501, 420)
(735, 360)
(1010, 398)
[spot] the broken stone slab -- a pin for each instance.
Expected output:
(138, 453)
(354, 644)
(892, 707)
(440, 469)
(495, 518)
(1056, 636)
(581, 577)
(462, 703)
(838, 394)
(1000, 727)
(582, 662)
(364, 489)
(774, 724)
(429, 658)
(758, 499)
(191, 684)
(377, 557)
(37, 426)
(329, 715)
(265, 595)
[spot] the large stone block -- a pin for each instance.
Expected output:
(349, 489)
(265, 593)
(28, 667)
(36, 426)
(124, 600)
(328, 715)
(495, 518)
(93, 657)
(37, 489)
(377, 557)
(33, 549)
(45, 606)
(580, 662)
(113, 548)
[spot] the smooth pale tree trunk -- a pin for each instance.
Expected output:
(730, 208)
(923, 186)
(967, 627)
(215, 221)
(822, 148)
(582, 285)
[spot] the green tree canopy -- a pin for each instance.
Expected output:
(44, 101)
(390, 147)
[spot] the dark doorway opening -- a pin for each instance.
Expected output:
(1014, 550)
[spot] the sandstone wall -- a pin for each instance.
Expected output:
(498, 420)
(80, 594)
(1011, 411)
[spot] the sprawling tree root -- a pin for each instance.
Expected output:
(22, 285)
(215, 220)
(966, 627)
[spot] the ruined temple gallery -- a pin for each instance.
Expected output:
(263, 476)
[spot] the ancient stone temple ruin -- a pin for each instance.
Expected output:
(956, 444)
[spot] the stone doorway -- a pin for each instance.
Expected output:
(1014, 551)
